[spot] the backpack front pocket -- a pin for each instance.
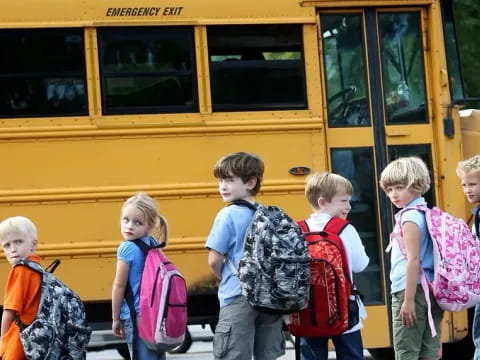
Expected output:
(289, 277)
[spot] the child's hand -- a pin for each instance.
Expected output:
(118, 329)
(407, 313)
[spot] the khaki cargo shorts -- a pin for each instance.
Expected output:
(243, 332)
(416, 342)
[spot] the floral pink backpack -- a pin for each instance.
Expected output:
(456, 254)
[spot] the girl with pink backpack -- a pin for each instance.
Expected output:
(415, 313)
(148, 293)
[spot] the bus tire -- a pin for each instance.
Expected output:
(382, 353)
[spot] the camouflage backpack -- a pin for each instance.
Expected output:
(60, 330)
(274, 271)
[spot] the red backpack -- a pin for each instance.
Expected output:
(327, 313)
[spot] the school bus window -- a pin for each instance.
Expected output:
(257, 67)
(344, 67)
(402, 67)
(451, 47)
(357, 164)
(42, 73)
(147, 70)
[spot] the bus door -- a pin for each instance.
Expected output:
(377, 109)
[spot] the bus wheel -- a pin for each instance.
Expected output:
(183, 347)
(382, 353)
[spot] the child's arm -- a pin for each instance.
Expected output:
(411, 239)
(118, 293)
(7, 319)
(215, 261)
(355, 250)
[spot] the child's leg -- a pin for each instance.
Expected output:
(313, 348)
(416, 342)
(235, 331)
(127, 324)
(406, 341)
(476, 332)
(431, 347)
(349, 346)
(144, 353)
(269, 341)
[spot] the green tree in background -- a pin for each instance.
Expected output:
(467, 19)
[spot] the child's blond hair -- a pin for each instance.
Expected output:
(410, 172)
(148, 206)
(326, 185)
(469, 165)
(19, 225)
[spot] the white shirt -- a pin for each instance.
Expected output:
(355, 251)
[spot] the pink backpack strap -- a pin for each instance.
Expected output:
(397, 236)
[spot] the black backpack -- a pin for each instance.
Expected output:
(274, 271)
(60, 329)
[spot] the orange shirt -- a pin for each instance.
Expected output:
(22, 294)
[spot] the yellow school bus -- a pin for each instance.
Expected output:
(103, 98)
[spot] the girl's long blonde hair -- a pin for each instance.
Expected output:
(157, 223)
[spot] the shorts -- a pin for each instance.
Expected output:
(416, 342)
(243, 332)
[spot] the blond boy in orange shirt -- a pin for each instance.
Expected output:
(18, 237)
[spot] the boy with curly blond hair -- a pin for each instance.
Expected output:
(469, 173)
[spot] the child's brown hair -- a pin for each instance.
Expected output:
(242, 164)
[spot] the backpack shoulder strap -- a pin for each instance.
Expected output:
(245, 203)
(336, 225)
(144, 247)
(130, 298)
(31, 265)
(303, 225)
(34, 266)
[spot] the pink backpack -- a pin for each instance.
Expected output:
(162, 320)
(456, 255)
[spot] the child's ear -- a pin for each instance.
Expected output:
(251, 183)
(34, 245)
(321, 202)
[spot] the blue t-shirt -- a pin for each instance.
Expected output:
(226, 237)
(134, 257)
(398, 271)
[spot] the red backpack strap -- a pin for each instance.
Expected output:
(303, 225)
(336, 225)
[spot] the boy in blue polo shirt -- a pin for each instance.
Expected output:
(241, 332)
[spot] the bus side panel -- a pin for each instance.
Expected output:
(76, 187)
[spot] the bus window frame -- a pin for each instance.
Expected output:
(162, 33)
(44, 75)
(256, 63)
(453, 59)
